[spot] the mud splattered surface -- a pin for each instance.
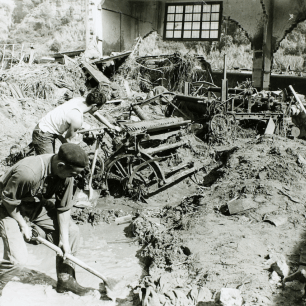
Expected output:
(232, 251)
(105, 248)
(264, 175)
(36, 295)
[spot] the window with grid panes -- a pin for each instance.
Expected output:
(193, 21)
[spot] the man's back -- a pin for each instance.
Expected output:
(55, 122)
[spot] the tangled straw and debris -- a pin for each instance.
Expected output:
(144, 73)
(42, 81)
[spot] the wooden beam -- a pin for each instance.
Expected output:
(103, 60)
(97, 75)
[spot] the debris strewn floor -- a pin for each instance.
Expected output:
(227, 234)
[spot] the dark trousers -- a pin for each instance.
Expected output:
(43, 142)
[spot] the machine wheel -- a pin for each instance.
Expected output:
(219, 125)
(118, 171)
(144, 181)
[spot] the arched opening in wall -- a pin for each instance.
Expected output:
(290, 57)
(234, 42)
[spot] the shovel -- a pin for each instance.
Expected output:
(110, 284)
(88, 198)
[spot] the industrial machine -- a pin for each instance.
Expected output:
(142, 160)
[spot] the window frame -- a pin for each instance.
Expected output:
(201, 20)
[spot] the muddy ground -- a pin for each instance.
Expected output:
(266, 174)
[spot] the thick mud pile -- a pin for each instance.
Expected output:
(250, 216)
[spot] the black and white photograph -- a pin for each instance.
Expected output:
(152, 153)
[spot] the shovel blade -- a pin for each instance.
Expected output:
(86, 198)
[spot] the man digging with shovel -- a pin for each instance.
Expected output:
(24, 189)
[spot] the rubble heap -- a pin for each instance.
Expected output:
(47, 81)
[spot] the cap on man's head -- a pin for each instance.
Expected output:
(72, 154)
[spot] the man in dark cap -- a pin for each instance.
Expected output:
(24, 190)
(67, 118)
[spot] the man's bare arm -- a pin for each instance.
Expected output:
(63, 221)
(75, 120)
(15, 214)
(106, 122)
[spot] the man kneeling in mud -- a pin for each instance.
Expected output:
(24, 189)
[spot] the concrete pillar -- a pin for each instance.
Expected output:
(99, 26)
(263, 52)
(267, 48)
(94, 24)
(257, 68)
(87, 33)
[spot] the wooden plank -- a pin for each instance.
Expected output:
(96, 74)
(99, 61)
(68, 53)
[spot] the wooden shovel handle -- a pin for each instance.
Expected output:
(71, 257)
(94, 162)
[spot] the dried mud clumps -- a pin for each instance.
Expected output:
(172, 273)
(94, 216)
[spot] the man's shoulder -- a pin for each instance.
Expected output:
(30, 168)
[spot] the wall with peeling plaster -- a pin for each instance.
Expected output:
(249, 14)
(265, 21)
(287, 15)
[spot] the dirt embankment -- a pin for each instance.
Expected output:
(234, 249)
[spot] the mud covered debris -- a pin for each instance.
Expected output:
(94, 216)
(173, 278)
(43, 81)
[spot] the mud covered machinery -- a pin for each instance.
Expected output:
(142, 160)
(241, 106)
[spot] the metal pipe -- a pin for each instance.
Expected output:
(224, 71)
(91, 130)
(140, 113)
(297, 99)
(153, 98)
